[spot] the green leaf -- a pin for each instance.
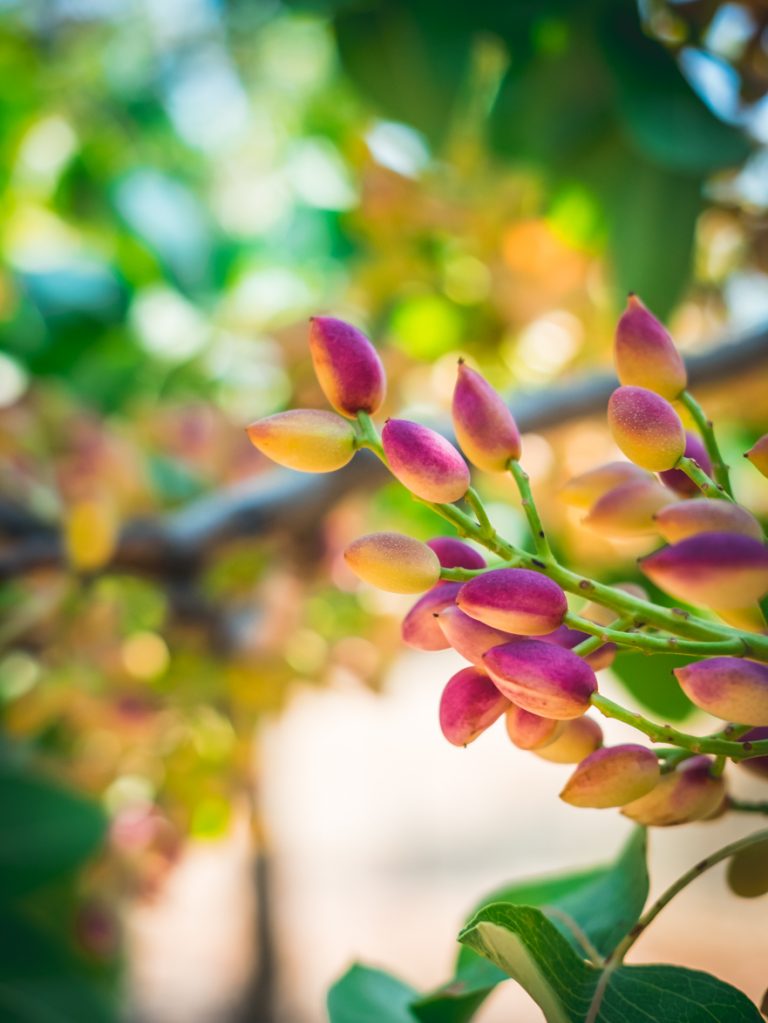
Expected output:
(47, 832)
(363, 995)
(521, 941)
(604, 903)
(652, 217)
(651, 682)
(41, 982)
(661, 114)
(412, 73)
(553, 105)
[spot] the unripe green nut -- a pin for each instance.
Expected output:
(577, 740)
(309, 440)
(394, 562)
(747, 873)
(646, 428)
(612, 776)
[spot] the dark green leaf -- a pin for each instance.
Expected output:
(47, 832)
(40, 982)
(413, 74)
(652, 216)
(553, 105)
(603, 904)
(363, 995)
(521, 941)
(651, 682)
(663, 117)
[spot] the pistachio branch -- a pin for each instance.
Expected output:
(616, 957)
(706, 485)
(530, 510)
(682, 882)
(674, 620)
(707, 431)
(666, 733)
(668, 644)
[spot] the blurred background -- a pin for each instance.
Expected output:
(221, 775)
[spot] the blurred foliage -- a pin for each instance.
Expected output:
(182, 184)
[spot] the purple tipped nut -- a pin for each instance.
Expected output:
(542, 678)
(452, 553)
(514, 600)
(424, 462)
(720, 570)
(420, 628)
(731, 688)
(347, 366)
(676, 479)
(701, 515)
(469, 637)
(485, 428)
(612, 776)
(646, 428)
(645, 354)
(690, 793)
(470, 703)
(531, 731)
(584, 490)
(628, 511)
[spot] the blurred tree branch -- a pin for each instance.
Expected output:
(177, 544)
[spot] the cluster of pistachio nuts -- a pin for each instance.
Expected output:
(530, 658)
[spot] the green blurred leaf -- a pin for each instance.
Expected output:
(521, 941)
(651, 682)
(47, 832)
(363, 995)
(660, 112)
(553, 105)
(652, 216)
(412, 67)
(40, 982)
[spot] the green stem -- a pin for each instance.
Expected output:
(706, 485)
(523, 482)
(475, 502)
(596, 641)
(674, 620)
(672, 736)
(707, 431)
(616, 957)
(746, 807)
(668, 644)
(682, 882)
